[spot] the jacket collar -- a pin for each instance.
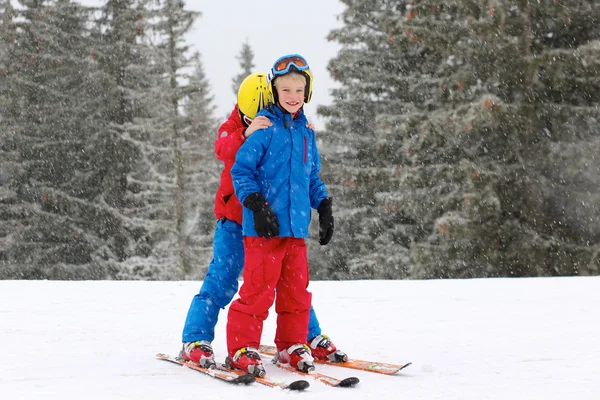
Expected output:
(275, 112)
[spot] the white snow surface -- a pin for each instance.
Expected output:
(478, 339)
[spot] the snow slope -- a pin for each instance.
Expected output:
(467, 339)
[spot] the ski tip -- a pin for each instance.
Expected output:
(245, 379)
(298, 385)
(404, 366)
(348, 382)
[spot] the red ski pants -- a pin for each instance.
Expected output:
(272, 267)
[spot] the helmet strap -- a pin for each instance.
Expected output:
(241, 115)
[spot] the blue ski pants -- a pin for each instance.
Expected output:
(221, 284)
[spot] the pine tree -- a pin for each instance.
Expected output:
(517, 217)
(127, 175)
(174, 22)
(246, 60)
(10, 216)
(431, 40)
(360, 158)
(48, 123)
(7, 31)
(202, 168)
(474, 107)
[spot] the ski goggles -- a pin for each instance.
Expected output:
(282, 66)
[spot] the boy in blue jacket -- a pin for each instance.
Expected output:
(221, 281)
(276, 178)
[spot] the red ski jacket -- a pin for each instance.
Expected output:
(229, 140)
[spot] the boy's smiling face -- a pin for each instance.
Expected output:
(290, 91)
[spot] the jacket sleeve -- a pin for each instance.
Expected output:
(247, 160)
(230, 138)
(317, 189)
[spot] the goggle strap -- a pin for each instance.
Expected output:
(286, 63)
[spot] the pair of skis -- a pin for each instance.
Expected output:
(239, 377)
(326, 379)
(234, 376)
(360, 365)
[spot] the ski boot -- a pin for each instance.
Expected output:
(322, 348)
(297, 356)
(200, 353)
(248, 360)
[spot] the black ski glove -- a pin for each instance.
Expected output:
(265, 220)
(325, 221)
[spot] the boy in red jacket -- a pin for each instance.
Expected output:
(221, 281)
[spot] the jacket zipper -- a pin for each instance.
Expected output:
(305, 150)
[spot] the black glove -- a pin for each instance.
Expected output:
(325, 221)
(265, 220)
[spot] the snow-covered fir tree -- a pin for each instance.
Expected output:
(201, 167)
(477, 122)
(173, 22)
(127, 174)
(529, 80)
(10, 218)
(60, 234)
(430, 187)
(94, 137)
(7, 30)
(246, 62)
(371, 237)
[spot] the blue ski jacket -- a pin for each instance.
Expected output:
(283, 163)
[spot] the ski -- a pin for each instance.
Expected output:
(228, 376)
(360, 365)
(326, 379)
(296, 385)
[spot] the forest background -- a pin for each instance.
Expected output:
(462, 140)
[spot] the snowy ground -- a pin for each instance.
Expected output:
(468, 339)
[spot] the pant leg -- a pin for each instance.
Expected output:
(262, 268)
(314, 329)
(220, 283)
(293, 298)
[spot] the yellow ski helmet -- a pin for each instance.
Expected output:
(291, 63)
(253, 95)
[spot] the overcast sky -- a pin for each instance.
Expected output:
(273, 28)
